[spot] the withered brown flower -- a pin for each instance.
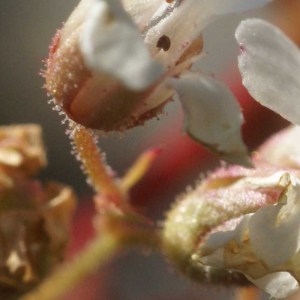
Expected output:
(35, 218)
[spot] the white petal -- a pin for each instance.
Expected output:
(278, 285)
(212, 115)
(265, 244)
(111, 43)
(141, 11)
(277, 227)
(184, 21)
(270, 67)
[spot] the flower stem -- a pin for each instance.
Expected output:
(249, 293)
(95, 255)
(99, 174)
(115, 236)
(139, 169)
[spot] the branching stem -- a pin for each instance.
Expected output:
(95, 255)
(97, 171)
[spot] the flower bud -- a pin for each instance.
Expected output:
(238, 224)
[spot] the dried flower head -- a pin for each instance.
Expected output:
(21, 150)
(34, 218)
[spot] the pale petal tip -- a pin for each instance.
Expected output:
(269, 64)
(111, 43)
(246, 26)
(240, 158)
(212, 116)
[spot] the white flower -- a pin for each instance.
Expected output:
(131, 57)
(265, 245)
(129, 39)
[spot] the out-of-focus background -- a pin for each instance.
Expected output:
(26, 30)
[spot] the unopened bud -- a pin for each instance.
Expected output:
(238, 223)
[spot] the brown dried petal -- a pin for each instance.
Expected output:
(34, 230)
(58, 214)
(21, 148)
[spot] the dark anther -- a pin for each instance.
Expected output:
(164, 43)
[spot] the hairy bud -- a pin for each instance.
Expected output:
(239, 225)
